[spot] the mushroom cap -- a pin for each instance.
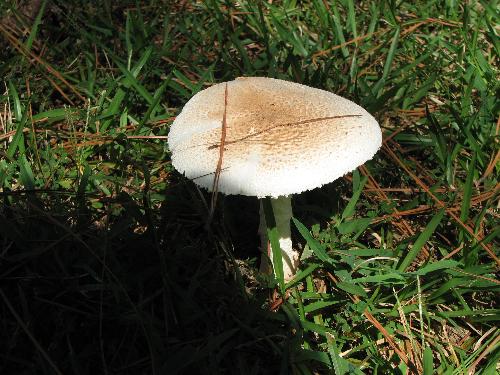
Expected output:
(281, 137)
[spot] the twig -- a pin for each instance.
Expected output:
(221, 155)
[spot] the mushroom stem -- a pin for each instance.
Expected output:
(282, 209)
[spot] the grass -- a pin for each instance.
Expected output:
(108, 261)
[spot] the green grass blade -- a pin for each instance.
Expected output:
(436, 266)
(467, 190)
(272, 233)
(18, 138)
(352, 288)
(142, 61)
(351, 206)
(427, 362)
(130, 79)
(128, 42)
(18, 108)
(334, 356)
(337, 26)
(421, 240)
(156, 100)
(26, 173)
(352, 18)
(377, 89)
(302, 274)
(315, 246)
(36, 25)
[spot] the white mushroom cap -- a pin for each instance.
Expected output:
(281, 137)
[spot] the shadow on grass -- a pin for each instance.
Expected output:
(123, 289)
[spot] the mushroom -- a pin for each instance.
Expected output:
(278, 138)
